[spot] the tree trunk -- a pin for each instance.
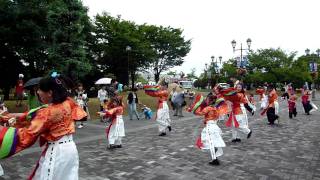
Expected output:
(157, 77)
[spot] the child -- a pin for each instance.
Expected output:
(210, 138)
(3, 108)
(147, 112)
(115, 131)
(292, 106)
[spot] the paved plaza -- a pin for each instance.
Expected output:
(289, 150)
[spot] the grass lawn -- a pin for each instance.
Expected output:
(94, 105)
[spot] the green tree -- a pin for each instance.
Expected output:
(169, 47)
(68, 28)
(112, 37)
(192, 74)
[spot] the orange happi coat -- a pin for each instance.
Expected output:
(50, 124)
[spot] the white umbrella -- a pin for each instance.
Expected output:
(104, 81)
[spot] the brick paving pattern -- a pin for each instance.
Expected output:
(289, 150)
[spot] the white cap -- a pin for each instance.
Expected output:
(21, 75)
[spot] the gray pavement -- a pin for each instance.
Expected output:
(289, 150)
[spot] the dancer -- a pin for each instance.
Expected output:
(263, 99)
(162, 115)
(272, 108)
(292, 105)
(53, 125)
(115, 131)
(238, 119)
(211, 108)
(305, 98)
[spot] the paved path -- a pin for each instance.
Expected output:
(289, 150)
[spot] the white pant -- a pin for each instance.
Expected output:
(61, 161)
(211, 139)
(1, 171)
(116, 131)
(163, 117)
(243, 126)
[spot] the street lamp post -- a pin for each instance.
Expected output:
(243, 63)
(128, 49)
(215, 66)
(205, 73)
(313, 66)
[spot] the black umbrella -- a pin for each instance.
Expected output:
(32, 82)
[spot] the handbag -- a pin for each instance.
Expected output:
(184, 103)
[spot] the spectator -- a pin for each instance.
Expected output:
(132, 103)
(3, 108)
(82, 100)
(173, 94)
(19, 90)
(33, 100)
(179, 102)
(102, 95)
(120, 88)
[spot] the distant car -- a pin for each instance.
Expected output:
(186, 84)
(224, 85)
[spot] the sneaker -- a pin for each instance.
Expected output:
(238, 140)
(169, 127)
(80, 126)
(118, 146)
(111, 146)
(162, 134)
(249, 135)
(214, 162)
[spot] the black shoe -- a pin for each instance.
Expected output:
(111, 146)
(236, 140)
(249, 135)
(162, 134)
(169, 127)
(175, 115)
(214, 162)
(118, 146)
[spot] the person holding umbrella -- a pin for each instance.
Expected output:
(32, 85)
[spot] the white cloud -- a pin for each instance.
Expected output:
(213, 24)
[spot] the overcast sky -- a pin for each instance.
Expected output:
(292, 25)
